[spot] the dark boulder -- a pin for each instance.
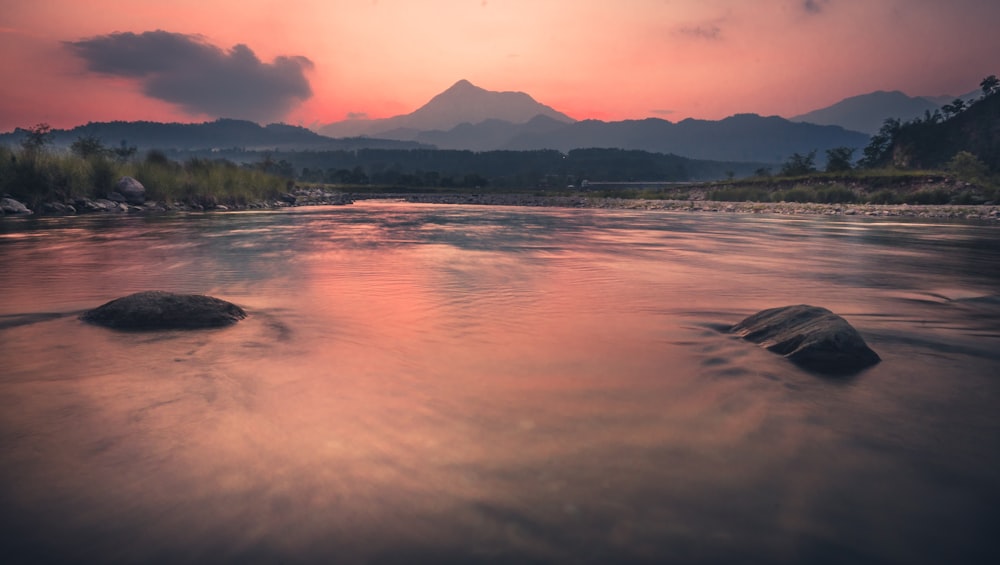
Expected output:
(158, 310)
(13, 207)
(814, 338)
(131, 190)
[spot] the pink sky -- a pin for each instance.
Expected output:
(588, 58)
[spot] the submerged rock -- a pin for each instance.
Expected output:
(158, 310)
(812, 337)
(13, 207)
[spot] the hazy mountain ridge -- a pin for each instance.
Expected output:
(461, 103)
(744, 137)
(222, 133)
(931, 144)
(867, 112)
(467, 117)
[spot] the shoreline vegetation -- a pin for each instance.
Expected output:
(34, 180)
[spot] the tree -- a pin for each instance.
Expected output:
(953, 109)
(799, 165)
(990, 85)
(123, 152)
(37, 137)
(89, 146)
(968, 168)
(839, 159)
(880, 144)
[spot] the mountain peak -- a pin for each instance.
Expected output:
(462, 103)
(463, 85)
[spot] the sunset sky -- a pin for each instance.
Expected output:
(311, 62)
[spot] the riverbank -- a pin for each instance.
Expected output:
(989, 213)
(321, 197)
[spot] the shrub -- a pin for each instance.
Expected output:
(34, 177)
(935, 196)
(798, 193)
(884, 196)
(835, 194)
(740, 194)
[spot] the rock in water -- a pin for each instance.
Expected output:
(158, 310)
(812, 337)
(13, 207)
(132, 190)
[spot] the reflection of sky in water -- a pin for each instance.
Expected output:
(420, 383)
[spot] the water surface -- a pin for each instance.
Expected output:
(421, 383)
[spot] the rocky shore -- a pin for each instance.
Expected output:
(988, 213)
(117, 203)
(310, 196)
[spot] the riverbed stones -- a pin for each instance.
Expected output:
(9, 206)
(132, 190)
(159, 310)
(812, 337)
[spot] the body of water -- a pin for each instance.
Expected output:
(420, 383)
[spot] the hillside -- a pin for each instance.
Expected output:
(743, 137)
(223, 133)
(462, 103)
(931, 144)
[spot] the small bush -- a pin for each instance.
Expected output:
(797, 193)
(884, 196)
(935, 196)
(835, 194)
(740, 194)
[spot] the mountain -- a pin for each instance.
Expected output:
(223, 133)
(867, 112)
(463, 102)
(743, 137)
(931, 144)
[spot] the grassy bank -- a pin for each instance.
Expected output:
(859, 187)
(36, 177)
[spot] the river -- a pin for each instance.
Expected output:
(463, 384)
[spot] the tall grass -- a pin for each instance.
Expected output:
(36, 177)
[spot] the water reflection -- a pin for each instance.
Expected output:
(465, 384)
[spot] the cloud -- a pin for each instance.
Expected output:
(814, 6)
(709, 30)
(199, 77)
(662, 111)
(357, 115)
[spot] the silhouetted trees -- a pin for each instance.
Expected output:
(87, 146)
(799, 165)
(37, 137)
(839, 159)
(990, 85)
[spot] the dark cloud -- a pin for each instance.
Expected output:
(702, 31)
(357, 115)
(814, 6)
(201, 78)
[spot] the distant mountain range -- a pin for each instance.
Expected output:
(462, 103)
(744, 137)
(219, 134)
(468, 117)
(867, 112)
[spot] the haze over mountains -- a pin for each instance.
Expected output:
(867, 112)
(462, 103)
(468, 117)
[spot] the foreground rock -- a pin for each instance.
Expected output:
(158, 310)
(13, 207)
(812, 337)
(131, 190)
